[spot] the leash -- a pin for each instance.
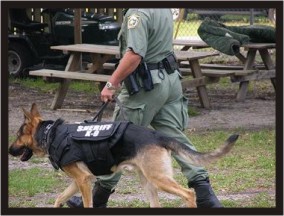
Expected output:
(99, 114)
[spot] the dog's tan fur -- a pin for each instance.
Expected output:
(153, 164)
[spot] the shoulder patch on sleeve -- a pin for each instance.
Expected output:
(133, 21)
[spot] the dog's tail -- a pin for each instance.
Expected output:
(200, 158)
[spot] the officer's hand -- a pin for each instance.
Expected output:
(107, 94)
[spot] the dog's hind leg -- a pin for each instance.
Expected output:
(155, 163)
(66, 194)
(151, 191)
(169, 185)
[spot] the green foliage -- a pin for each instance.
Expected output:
(192, 16)
(235, 18)
(188, 27)
(244, 19)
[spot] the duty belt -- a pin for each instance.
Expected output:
(159, 65)
(169, 63)
(155, 66)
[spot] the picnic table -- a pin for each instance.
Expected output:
(248, 71)
(187, 44)
(249, 64)
(100, 54)
(199, 80)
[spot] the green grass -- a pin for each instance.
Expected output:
(261, 200)
(87, 87)
(29, 182)
(192, 111)
(12, 138)
(249, 168)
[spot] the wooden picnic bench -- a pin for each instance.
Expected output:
(199, 80)
(249, 62)
(100, 54)
(244, 73)
(196, 43)
(187, 44)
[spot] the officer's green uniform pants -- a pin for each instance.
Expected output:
(165, 109)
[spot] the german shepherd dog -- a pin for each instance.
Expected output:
(146, 150)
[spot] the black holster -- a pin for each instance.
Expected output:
(146, 77)
(170, 63)
(132, 83)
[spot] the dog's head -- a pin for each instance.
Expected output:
(25, 144)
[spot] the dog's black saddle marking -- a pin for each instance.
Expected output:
(89, 142)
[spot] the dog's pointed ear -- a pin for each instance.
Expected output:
(27, 115)
(34, 110)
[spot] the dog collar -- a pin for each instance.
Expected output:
(45, 139)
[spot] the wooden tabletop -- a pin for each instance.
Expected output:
(114, 50)
(201, 44)
(89, 48)
(190, 55)
(260, 45)
(191, 43)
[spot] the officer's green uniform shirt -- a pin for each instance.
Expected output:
(149, 33)
(139, 28)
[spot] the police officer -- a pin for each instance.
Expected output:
(146, 36)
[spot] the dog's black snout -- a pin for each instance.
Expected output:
(14, 151)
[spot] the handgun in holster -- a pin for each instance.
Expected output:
(146, 76)
(170, 63)
(131, 82)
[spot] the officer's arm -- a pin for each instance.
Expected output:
(127, 65)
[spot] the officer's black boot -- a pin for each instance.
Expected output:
(100, 198)
(205, 197)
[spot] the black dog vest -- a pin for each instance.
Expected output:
(88, 142)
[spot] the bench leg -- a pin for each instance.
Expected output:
(241, 95)
(72, 65)
(202, 91)
(266, 58)
(243, 88)
(60, 94)
(273, 81)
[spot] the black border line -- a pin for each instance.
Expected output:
(278, 210)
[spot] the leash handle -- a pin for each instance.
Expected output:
(98, 116)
